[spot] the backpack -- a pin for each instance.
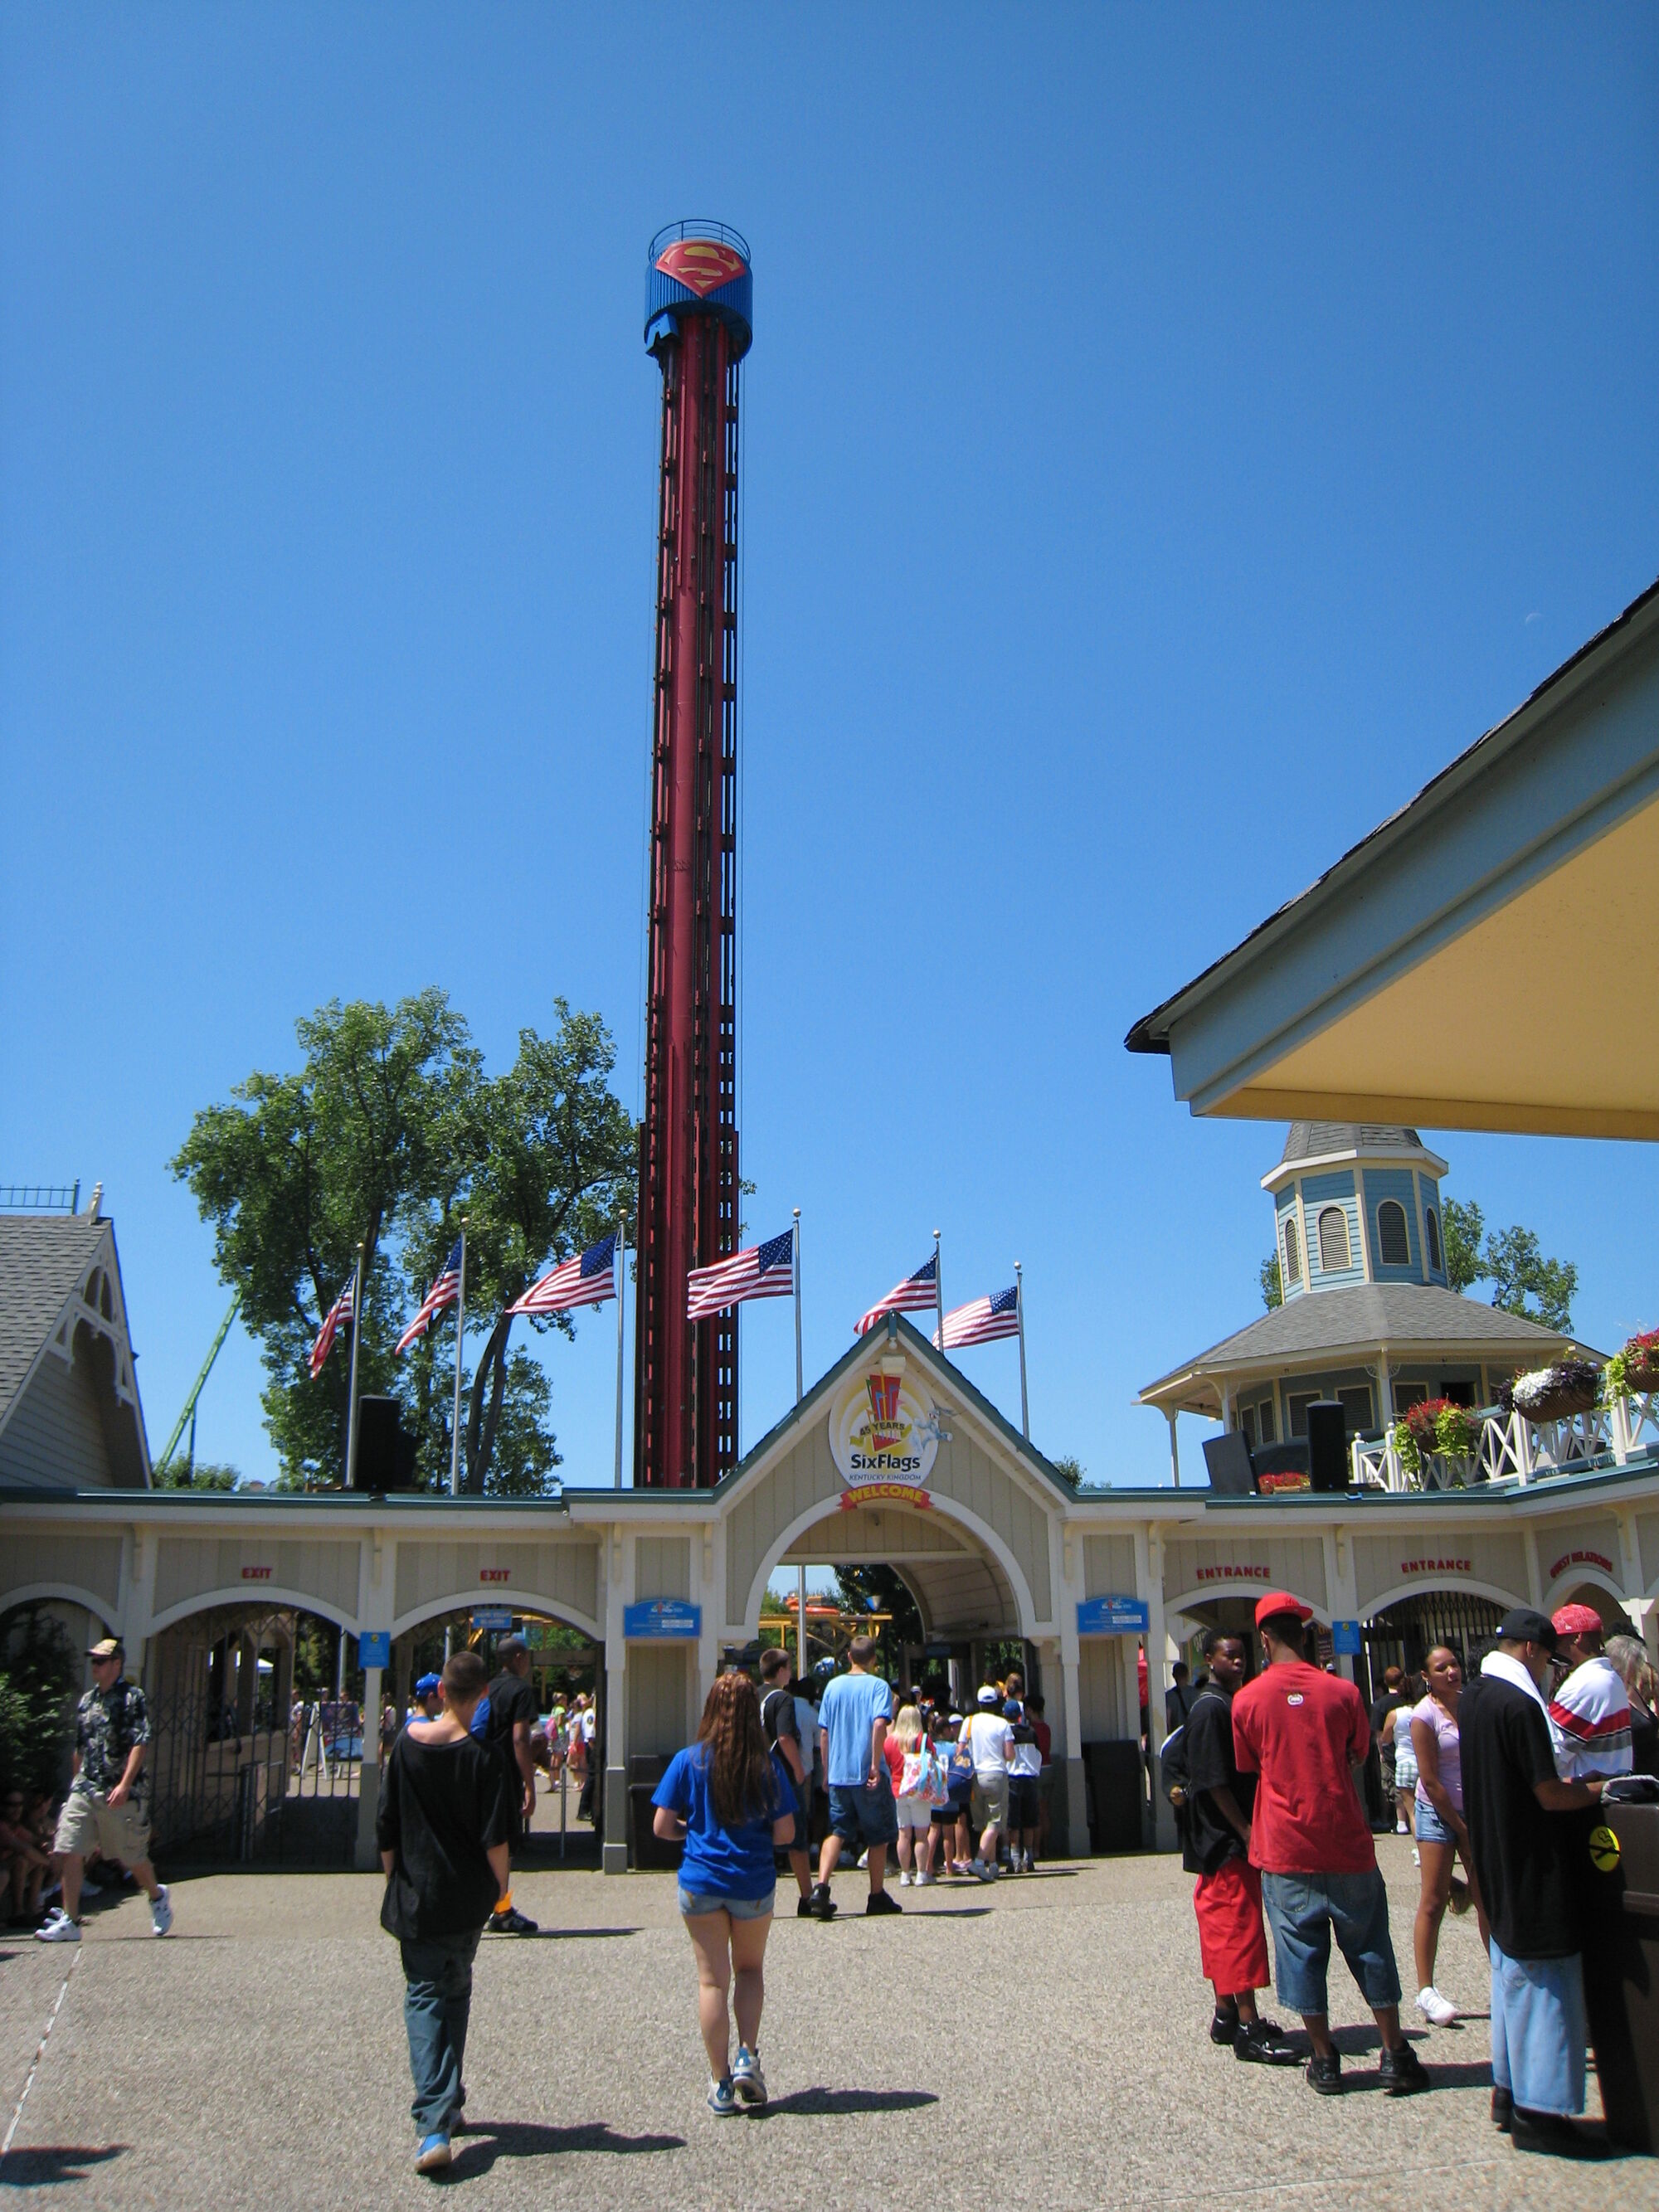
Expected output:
(1174, 1770)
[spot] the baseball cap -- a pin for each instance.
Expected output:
(1011, 1711)
(987, 1696)
(1281, 1601)
(111, 1647)
(1577, 1621)
(1526, 1625)
(428, 1684)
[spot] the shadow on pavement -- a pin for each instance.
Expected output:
(39, 2164)
(838, 2102)
(566, 1934)
(485, 2140)
(943, 1912)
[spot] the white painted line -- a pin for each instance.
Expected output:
(40, 2052)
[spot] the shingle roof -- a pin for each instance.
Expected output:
(1402, 1316)
(1316, 1141)
(42, 1257)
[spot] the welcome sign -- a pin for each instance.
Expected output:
(885, 1436)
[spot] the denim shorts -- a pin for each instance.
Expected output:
(862, 1817)
(1302, 1911)
(1431, 1828)
(696, 1903)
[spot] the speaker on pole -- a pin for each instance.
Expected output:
(386, 1457)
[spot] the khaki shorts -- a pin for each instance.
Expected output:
(90, 1823)
(990, 1801)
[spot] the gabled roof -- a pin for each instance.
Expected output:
(44, 1258)
(893, 1328)
(1347, 1327)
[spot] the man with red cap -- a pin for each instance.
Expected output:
(1303, 1732)
(1590, 1713)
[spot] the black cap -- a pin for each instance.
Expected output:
(1526, 1625)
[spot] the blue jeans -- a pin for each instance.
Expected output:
(1302, 1911)
(1539, 2031)
(437, 1999)
(862, 1817)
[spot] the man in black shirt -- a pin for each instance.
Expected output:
(1532, 1883)
(1215, 1842)
(1379, 1760)
(514, 1713)
(445, 1814)
(782, 1725)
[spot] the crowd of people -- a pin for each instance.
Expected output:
(1500, 1778)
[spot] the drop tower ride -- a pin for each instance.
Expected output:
(697, 326)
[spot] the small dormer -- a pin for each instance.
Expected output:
(1356, 1202)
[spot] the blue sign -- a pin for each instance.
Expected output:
(658, 1617)
(1345, 1638)
(375, 1648)
(1113, 1616)
(492, 1616)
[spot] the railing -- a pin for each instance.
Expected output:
(40, 1198)
(1512, 1449)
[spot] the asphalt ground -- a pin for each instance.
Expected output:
(1042, 2043)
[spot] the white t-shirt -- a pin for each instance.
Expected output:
(992, 1741)
(806, 1720)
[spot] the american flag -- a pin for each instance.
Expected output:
(445, 1292)
(981, 1320)
(586, 1279)
(914, 1295)
(339, 1311)
(764, 1271)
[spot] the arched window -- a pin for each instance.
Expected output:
(1391, 1234)
(1433, 1228)
(1293, 1252)
(1332, 1239)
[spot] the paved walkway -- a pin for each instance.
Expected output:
(1038, 2044)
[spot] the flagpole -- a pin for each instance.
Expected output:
(460, 1334)
(621, 1259)
(938, 1290)
(351, 1388)
(796, 1305)
(1019, 1315)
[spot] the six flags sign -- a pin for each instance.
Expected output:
(884, 1435)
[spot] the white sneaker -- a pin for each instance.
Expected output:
(1417, 1859)
(926, 1879)
(60, 1928)
(904, 1879)
(1400, 1829)
(1433, 2007)
(161, 1911)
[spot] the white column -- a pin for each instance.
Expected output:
(136, 1605)
(1341, 1590)
(376, 1567)
(1163, 1827)
(1172, 1414)
(1384, 1390)
(618, 1555)
(1069, 1816)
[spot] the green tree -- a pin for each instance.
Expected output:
(882, 1589)
(39, 1671)
(1271, 1281)
(1069, 1465)
(206, 1474)
(1524, 1282)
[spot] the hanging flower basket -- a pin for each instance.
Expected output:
(1554, 1393)
(1635, 1367)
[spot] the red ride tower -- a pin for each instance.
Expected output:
(697, 326)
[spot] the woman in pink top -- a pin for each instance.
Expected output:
(1442, 1836)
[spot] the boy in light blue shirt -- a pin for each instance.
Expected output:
(852, 1718)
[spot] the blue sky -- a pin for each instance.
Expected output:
(1168, 438)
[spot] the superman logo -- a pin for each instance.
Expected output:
(701, 264)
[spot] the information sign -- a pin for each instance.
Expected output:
(492, 1616)
(375, 1648)
(1345, 1638)
(661, 1617)
(1113, 1616)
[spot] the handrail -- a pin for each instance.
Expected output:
(1512, 1449)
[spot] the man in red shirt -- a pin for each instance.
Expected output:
(1303, 1731)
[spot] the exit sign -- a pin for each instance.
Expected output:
(495, 1575)
(255, 1574)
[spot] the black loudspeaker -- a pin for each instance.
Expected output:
(1328, 1445)
(386, 1457)
(1227, 1458)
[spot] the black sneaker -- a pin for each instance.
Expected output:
(1553, 2134)
(512, 1922)
(823, 1905)
(1402, 2073)
(1224, 2028)
(1503, 2108)
(880, 1902)
(1262, 2043)
(804, 1908)
(1325, 2075)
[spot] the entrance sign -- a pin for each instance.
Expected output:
(492, 1616)
(1345, 1639)
(1113, 1616)
(660, 1618)
(885, 1436)
(375, 1648)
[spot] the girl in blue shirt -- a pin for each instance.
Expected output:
(728, 1799)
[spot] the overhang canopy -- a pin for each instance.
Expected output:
(1482, 960)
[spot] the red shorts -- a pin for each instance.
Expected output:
(1231, 1941)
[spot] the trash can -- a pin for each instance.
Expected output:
(1117, 1791)
(1621, 1971)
